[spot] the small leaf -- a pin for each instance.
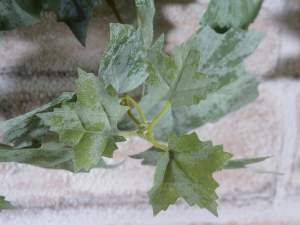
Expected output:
(4, 204)
(243, 163)
(124, 64)
(22, 127)
(151, 156)
(89, 126)
(186, 171)
(223, 15)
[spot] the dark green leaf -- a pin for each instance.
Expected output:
(186, 171)
(223, 15)
(124, 64)
(4, 204)
(13, 16)
(76, 14)
(89, 126)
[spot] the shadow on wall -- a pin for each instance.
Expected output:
(42, 59)
(289, 21)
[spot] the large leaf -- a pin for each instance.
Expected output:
(28, 126)
(89, 126)
(4, 204)
(152, 156)
(186, 171)
(203, 79)
(226, 14)
(124, 64)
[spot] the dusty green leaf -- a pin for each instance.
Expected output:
(4, 204)
(186, 171)
(223, 15)
(204, 79)
(28, 126)
(89, 126)
(124, 64)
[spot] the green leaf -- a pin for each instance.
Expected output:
(4, 204)
(223, 15)
(204, 79)
(152, 155)
(13, 16)
(76, 14)
(186, 171)
(124, 64)
(50, 155)
(28, 125)
(89, 126)
(243, 163)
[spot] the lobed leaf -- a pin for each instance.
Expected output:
(223, 15)
(27, 127)
(204, 79)
(185, 171)
(124, 64)
(89, 126)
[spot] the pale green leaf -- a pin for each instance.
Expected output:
(89, 126)
(226, 14)
(124, 64)
(28, 126)
(204, 79)
(186, 171)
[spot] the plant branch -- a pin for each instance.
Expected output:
(138, 108)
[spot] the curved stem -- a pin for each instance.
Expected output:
(138, 108)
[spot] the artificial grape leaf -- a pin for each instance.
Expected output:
(152, 155)
(51, 155)
(203, 79)
(124, 64)
(89, 126)
(13, 16)
(223, 15)
(186, 171)
(26, 125)
(4, 204)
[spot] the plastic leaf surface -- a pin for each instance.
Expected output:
(186, 172)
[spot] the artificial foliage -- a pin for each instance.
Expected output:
(142, 91)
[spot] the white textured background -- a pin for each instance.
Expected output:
(37, 63)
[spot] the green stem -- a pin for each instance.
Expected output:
(150, 133)
(138, 108)
(128, 134)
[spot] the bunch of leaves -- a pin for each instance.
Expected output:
(202, 80)
(75, 13)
